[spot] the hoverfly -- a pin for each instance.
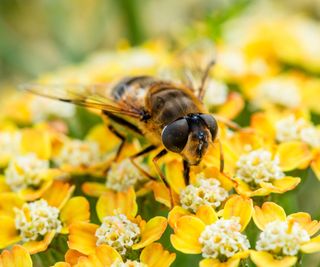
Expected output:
(169, 115)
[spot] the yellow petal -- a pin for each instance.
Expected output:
(311, 246)
(8, 232)
(281, 185)
(117, 202)
(152, 231)
(62, 264)
(216, 263)
(72, 256)
(36, 141)
(304, 219)
(9, 201)
(58, 194)
(232, 107)
(269, 212)
(82, 237)
(161, 192)
(174, 175)
(31, 194)
(187, 232)
(224, 180)
(315, 164)
(176, 213)
(18, 257)
(76, 209)
(264, 259)
(154, 255)
(244, 189)
(94, 189)
(4, 187)
(293, 154)
(104, 137)
(207, 214)
(263, 125)
(34, 247)
(107, 255)
(238, 206)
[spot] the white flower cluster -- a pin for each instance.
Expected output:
(282, 239)
(291, 129)
(203, 192)
(36, 219)
(223, 238)
(216, 94)
(42, 108)
(128, 263)
(280, 91)
(122, 175)
(9, 143)
(258, 166)
(24, 171)
(78, 153)
(118, 232)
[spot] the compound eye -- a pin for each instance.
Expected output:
(175, 135)
(211, 123)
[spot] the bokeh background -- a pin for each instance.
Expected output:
(41, 35)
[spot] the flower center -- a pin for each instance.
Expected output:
(128, 263)
(258, 166)
(118, 232)
(79, 153)
(290, 129)
(36, 219)
(223, 239)
(203, 192)
(122, 175)
(281, 238)
(24, 171)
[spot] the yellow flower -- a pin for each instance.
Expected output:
(36, 223)
(212, 236)
(298, 138)
(119, 228)
(283, 237)
(153, 255)
(17, 257)
(257, 167)
(29, 176)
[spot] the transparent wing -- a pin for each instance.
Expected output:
(192, 64)
(90, 96)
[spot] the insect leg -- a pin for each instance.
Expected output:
(221, 156)
(143, 152)
(186, 172)
(204, 79)
(227, 122)
(121, 137)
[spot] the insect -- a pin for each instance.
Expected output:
(169, 115)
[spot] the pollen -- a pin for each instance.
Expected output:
(280, 238)
(25, 171)
(79, 153)
(223, 239)
(293, 129)
(128, 263)
(203, 192)
(122, 175)
(118, 232)
(36, 219)
(258, 166)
